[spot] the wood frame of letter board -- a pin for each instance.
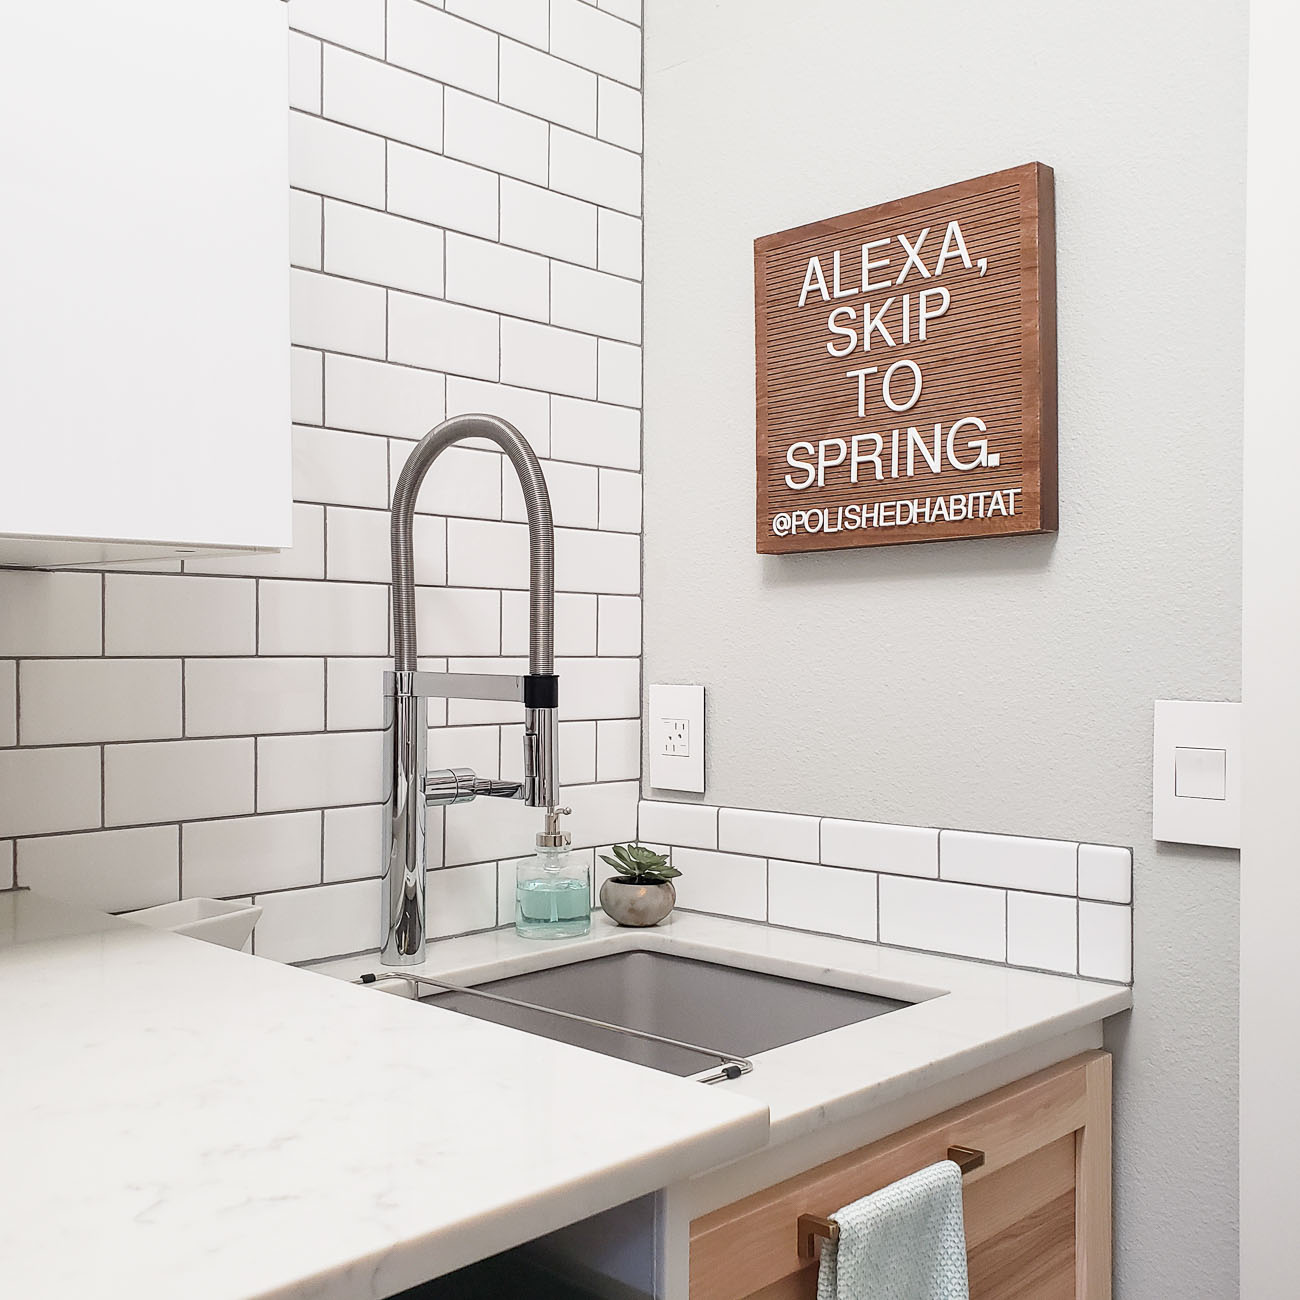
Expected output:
(1037, 478)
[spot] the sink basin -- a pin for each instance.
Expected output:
(736, 1011)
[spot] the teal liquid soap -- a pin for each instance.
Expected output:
(555, 908)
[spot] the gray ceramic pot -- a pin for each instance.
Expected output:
(637, 904)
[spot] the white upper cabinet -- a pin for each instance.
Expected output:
(144, 331)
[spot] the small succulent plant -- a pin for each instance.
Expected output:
(637, 865)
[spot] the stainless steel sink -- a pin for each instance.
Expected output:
(734, 1011)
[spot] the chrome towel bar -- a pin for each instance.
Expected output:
(813, 1226)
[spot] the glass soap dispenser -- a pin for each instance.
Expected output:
(553, 887)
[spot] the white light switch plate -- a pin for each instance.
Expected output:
(1196, 773)
(676, 730)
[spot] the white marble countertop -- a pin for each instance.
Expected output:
(181, 1120)
(971, 1015)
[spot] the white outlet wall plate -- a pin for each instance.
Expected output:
(1196, 773)
(675, 728)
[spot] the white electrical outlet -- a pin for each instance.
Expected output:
(677, 737)
(676, 731)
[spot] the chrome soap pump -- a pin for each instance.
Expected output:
(553, 887)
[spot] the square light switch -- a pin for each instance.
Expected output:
(1196, 773)
(1200, 773)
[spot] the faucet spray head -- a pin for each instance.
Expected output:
(553, 837)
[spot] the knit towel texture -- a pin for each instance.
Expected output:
(904, 1242)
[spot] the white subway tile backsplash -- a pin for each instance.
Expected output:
(1105, 941)
(254, 682)
(331, 618)
(353, 839)
(528, 411)
(338, 467)
(464, 482)
(461, 899)
(537, 219)
(595, 303)
(374, 246)
(618, 750)
(876, 846)
(354, 694)
(306, 387)
(50, 613)
(327, 158)
(724, 883)
(602, 814)
(593, 170)
(72, 701)
(574, 490)
(596, 40)
(478, 748)
(245, 697)
(620, 373)
(604, 562)
(630, 10)
(1106, 873)
(442, 190)
(1009, 861)
(488, 830)
(327, 921)
(375, 397)
(810, 897)
(599, 688)
(305, 224)
(483, 554)
(243, 854)
(525, 20)
(575, 624)
(554, 360)
(458, 621)
(490, 135)
(336, 315)
(325, 771)
(619, 242)
(1042, 931)
(484, 274)
(966, 920)
(620, 501)
(619, 625)
(547, 87)
(116, 871)
(177, 780)
(768, 834)
(161, 614)
(620, 114)
(358, 24)
(9, 702)
(358, 545)
(595, 433)
(443, 336)
(44, 790)
(381, 98)
(442, 46)
(688, 825)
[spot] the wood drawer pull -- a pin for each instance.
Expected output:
(812, 1226)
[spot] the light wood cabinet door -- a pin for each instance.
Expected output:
(1038, 1212)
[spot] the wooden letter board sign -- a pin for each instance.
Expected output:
(907, 369)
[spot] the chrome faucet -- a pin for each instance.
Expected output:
(409, 789)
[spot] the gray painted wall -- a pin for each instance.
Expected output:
(995, 685)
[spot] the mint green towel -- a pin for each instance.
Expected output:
(904, 1242)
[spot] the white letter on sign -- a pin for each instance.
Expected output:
(822, 463)
(835, 327)
(953, 246)
(916, 386)
(814, 277)
(791, 459)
